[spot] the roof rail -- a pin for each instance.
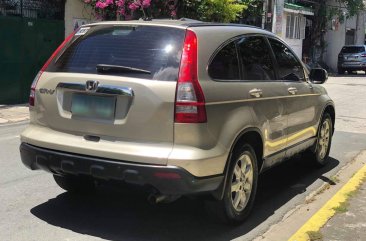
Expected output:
(189, 20)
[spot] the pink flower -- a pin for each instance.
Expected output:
(133, 6)
(122, 11)
(173, 13)
(120, 3)
(101, 5)
(136, 4)
(87, 1)
(146, 3)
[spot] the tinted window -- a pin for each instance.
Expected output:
(155, 49)
(256, 59)
(353, 49)
(289, 68)
(225, 65)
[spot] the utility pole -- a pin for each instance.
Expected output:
(264, 15)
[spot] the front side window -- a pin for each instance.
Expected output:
(289, 68)
(225, 65)
(256, 59)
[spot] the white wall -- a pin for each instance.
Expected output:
(76, 9)
(295, 44)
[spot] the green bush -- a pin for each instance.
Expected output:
(214, 10)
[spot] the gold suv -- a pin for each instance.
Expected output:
(181, 107)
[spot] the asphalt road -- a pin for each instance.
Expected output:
(33, 207)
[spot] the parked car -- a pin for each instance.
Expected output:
(182, 107)
(352, 58)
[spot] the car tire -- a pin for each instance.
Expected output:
(340, 71)
(239, 189)
(320, 152)
(75, 184)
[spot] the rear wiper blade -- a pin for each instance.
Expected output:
(120, 68)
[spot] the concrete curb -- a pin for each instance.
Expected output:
(13, 113)
(321, 217)
(300, 214)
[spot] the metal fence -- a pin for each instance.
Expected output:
(29, 32)
(42, 9)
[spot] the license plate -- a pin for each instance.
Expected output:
(93, 106)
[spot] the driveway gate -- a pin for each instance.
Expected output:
(29, 32)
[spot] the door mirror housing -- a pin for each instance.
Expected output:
(318, 76)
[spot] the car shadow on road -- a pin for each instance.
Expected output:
(120, 215)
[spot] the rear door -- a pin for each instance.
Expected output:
(114, 82)
(266, 94)
(302, 98)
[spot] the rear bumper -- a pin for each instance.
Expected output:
(168, 180)
(352, 65)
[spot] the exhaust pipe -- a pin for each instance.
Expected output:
(156, 198)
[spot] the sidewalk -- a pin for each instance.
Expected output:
(342, 215)
(13, 113)
(350, 221)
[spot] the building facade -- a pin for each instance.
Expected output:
(289, 23)
(292, 21)
(339, 33)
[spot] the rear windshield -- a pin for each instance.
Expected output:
(153, 49)
(353, 49)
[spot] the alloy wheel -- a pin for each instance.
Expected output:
(241, 182)
(324, 138)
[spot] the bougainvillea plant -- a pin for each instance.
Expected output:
(205, 10)
(132, 9)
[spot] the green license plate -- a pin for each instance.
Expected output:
(93, 106)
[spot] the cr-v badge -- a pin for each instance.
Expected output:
(46, 91)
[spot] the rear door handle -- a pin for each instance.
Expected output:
(257, 93)
(292, 90)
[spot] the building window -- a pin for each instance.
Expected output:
(295, 26)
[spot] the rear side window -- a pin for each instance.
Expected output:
(225, 64)
(289, 68)
(156, 50)
(353, 49)
(256, 59)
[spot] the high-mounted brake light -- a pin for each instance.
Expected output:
(32, 94)
(189, 100)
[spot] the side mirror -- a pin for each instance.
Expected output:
(318, 76)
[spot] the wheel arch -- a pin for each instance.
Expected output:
(329, 108)
(252, 136)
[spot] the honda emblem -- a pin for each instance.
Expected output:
(91, 85)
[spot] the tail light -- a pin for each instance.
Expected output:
(32, 95)
(189, 100)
